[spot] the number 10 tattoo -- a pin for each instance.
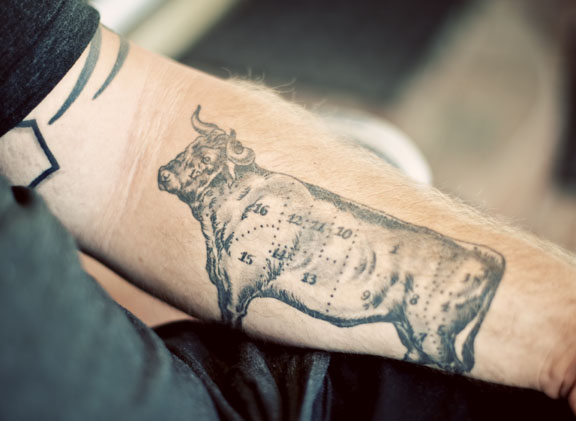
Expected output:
(270, 235)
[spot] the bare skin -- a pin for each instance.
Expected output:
(111, 151)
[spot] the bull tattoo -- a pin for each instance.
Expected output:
(270, 235)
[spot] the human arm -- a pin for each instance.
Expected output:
(110, 150)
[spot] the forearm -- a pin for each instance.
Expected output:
(412, 257)
(528, 323)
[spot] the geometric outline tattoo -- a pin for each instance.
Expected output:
(54, 166)
(271, 235)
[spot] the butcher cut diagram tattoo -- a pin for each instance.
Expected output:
(270, 235)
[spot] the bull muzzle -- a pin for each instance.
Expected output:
(166, 180)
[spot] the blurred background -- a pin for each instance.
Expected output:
(485, 88)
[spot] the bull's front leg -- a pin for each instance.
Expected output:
(232, 310)
(226, 309)
(222, 283)
(233, 306)
(235, 293)
(237, 306)
(412, 343)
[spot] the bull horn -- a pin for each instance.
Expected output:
(202, 127)
(237, 153)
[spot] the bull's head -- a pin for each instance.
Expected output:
(213, 155)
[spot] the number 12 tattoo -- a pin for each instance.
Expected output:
(271, 235)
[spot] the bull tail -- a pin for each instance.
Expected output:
(468, 334)
(466, 356)
(464, 343)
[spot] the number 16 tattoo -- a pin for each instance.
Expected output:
(270, 235)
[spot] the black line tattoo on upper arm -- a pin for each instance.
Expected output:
(271, 235)
(120, 58)
(88, 69)
(85, 74)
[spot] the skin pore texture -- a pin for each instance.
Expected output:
(233, 205)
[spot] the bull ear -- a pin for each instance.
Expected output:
(237, 153)
(229, 171)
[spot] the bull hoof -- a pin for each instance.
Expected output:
(455, 367)
(236, 321)
(415, 356)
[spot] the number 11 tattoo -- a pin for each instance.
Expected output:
(271, 235)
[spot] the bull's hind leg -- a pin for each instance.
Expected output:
(473, 327)
(413, 353)
(439, 347)
(430, 344)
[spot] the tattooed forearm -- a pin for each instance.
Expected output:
(271, 235)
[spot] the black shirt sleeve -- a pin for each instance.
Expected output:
(39, 43)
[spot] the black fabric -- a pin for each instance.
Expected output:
(251, 379)
(67, 351)
(39, 42)
(261, 381)
(372, 388)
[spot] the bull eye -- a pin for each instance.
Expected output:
(206, 160)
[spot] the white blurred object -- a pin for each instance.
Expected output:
(179, 24)
(123, 15)
(383, 139)
(167, 27)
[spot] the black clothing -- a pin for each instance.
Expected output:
(39, 42)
